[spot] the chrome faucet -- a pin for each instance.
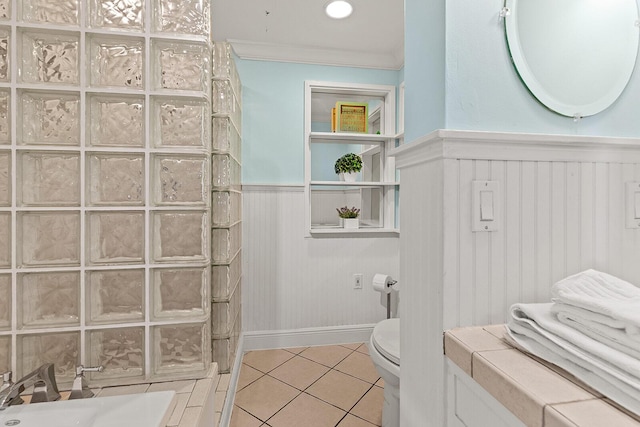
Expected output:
(80, 388)
(42, 379)
(6, 381)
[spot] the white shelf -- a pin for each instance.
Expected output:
(348, 138)
(347, 231)
(355, 184)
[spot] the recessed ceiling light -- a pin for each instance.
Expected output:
(338, 9)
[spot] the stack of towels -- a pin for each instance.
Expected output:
(591, 329)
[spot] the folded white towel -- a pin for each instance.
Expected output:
(536, 330)
(603, 294)
(596, 326)
(538, 317)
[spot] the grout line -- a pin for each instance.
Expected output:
(331, 367)
(284, 406)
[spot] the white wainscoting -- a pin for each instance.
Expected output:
(559, 218)
(291, 282)
(563, 205)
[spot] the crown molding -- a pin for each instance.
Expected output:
(314, 55)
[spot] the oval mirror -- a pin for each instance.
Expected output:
(574, 56)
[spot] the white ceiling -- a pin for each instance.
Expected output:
(300, 31)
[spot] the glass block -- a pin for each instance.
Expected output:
(124, 14)
(49, 178)
(181, 122)
(181, 66)
(49, 57)
(5, 239)
(180, 292)
(181, 180)
(5, 54)
(225, 243)
(225, 172)
(223, 315)
(182, 16)
(223, 101)
(5, 305)
(120, 351)
(180, 236)
(5, 9)
(48, 300)
(115, 179)
(116, 237)
(117, 62)
(5, 178)
(51, 11)
(116, 120)
(226, 138)
(224, 350)
(225, 278)
(5, 118)
(5, 353)
(222, 60)
(49, 118)
(226, 208)
(180, 348)
(60, 348)
(48, 238)
(236, 116)
(115, 296)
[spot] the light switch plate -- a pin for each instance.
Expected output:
(491, 190)
(631, 189)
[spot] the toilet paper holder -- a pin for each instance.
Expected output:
(389, 284)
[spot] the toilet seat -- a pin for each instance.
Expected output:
(386, 339)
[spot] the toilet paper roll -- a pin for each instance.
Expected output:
(380, 283)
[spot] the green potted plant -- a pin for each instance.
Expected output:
(349, 216)
(347, 166)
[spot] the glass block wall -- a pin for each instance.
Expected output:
(105, 188)
(227, 207)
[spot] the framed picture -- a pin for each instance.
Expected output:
(352, 117)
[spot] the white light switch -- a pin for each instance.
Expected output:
(486, 206)
(632, 204)
(486, 199)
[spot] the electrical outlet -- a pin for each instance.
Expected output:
(357, 281)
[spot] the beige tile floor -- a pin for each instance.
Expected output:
(328, 386)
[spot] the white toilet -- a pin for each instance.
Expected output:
(384, 349)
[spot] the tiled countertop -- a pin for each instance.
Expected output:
(539, 394)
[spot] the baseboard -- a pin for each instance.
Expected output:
(263, 340)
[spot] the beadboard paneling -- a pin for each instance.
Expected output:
(293, 282)
(559, 218)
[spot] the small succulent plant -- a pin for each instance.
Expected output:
(348, 163)
(346, 212)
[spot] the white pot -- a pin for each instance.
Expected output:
(348, 177)
(351, 223)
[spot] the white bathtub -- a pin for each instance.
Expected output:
(136, 410)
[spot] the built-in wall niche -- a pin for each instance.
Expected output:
(375, 187)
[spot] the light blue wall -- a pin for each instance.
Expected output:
(273, 115)
(424, 69)
(484, 92)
